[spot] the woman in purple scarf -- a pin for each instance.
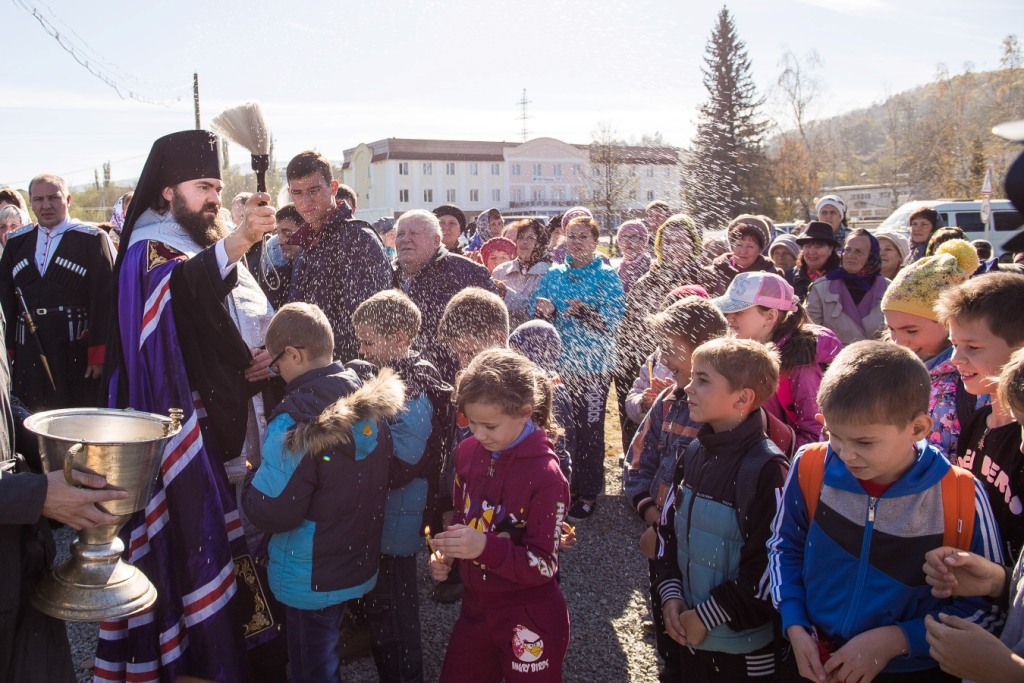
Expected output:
(848, 300)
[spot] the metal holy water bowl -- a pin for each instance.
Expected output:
(125, 447)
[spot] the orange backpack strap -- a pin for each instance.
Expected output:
(958, 508)
(811, 475)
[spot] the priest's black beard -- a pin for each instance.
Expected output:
(203, 229)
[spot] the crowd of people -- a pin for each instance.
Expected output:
(820, 432)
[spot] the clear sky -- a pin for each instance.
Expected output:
(333, 74)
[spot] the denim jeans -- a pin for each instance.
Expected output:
(313, 643)
(392, 610)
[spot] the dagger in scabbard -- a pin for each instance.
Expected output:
(34, 331)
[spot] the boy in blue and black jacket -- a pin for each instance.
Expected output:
(386, 326)
(320, 487)
(711, 566)
(858, 516)
(664, 434)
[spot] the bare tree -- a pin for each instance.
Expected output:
(798, 163)
(612, 181)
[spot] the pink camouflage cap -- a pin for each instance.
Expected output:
(757, 289)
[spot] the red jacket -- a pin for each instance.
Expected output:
(520, 504)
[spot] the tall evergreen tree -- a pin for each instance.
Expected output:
(726, 169)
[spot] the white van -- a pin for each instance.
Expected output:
(1006, 221)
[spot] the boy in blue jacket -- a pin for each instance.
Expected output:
(848, 579)
(321, 485)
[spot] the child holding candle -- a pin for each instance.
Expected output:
(386, 325)
(510, 501)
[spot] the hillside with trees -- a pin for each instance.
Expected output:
(933, 141)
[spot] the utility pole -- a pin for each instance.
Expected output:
(524, 116)
(195, 95)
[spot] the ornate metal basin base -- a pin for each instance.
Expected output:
(126, 447)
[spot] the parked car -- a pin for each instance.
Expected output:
(1006, 221)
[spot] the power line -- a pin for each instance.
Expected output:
(92, 61)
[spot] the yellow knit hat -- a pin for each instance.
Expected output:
(917, 287)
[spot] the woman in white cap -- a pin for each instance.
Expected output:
(761, 306)
(832, 210)
(894, 249)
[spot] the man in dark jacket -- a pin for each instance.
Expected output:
(431, 276)
(33, 646)
(343, 262)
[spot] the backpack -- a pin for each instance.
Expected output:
(747, 475)
(957, 495)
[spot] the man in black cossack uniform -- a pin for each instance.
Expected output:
(63, 270)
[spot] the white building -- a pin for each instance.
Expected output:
(540, 176)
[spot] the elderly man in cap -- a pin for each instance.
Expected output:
(190, 324)
(453, 226)
(62, 270)
(431, 276)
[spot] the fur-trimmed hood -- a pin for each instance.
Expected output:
(377, 399)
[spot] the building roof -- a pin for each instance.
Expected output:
(406, 149)
(433, 150)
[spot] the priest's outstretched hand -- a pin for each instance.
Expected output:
(258, 219)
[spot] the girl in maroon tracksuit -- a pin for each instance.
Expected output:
(510, 501)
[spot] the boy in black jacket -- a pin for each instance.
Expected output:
(711, 569)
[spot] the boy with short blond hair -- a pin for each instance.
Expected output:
(857, 517)
(985, 327)
(711, 565)
(386, 326)
(664, 433)
(473, 321)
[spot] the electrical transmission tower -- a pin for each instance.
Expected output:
(523, 116)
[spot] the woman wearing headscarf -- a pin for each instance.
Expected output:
(848, 300)
(677, 248)
(749, 236)
(520, 276)
(631, 239)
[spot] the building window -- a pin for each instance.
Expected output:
(449, 168)
(538, 194)
(516, 170)
(368, 174)
(403, 168)
(577, 169)
(495, 169)
(667, 172)
(474, 195)
(428, 168)
(474, 169)
(650, 171)
(495, 195)
(558, 170)
(632, 171)
(449, 196)
(650, 195)
(428, 196)
(517, 195)
(536, 169)
(403, 196)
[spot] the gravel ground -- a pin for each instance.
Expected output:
(604, 580)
